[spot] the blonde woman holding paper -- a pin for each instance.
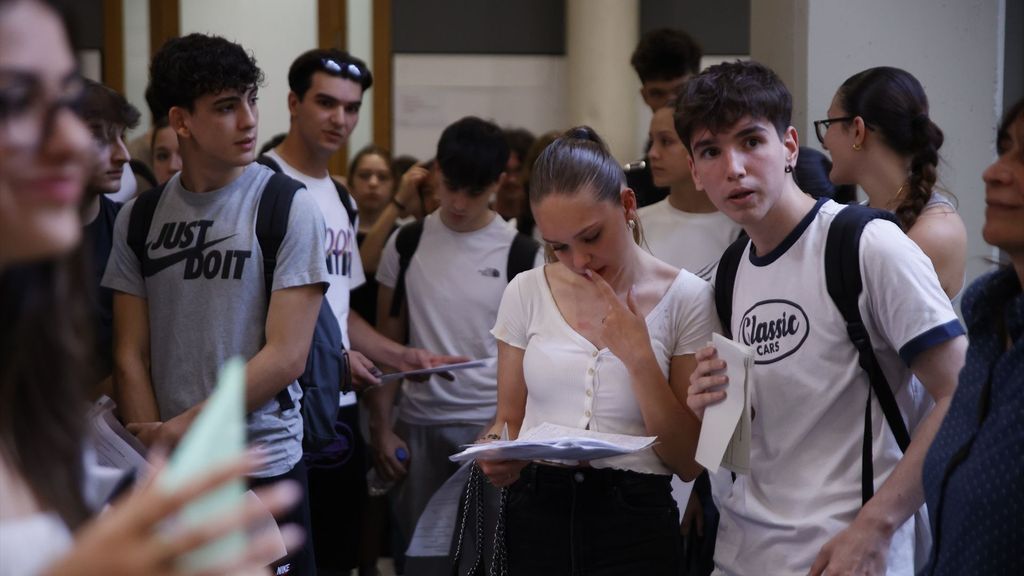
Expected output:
(601, 339)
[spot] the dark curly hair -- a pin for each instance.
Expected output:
(893, 103)
(186, 68)
(331, 61)
(666, 54)
(722, 95)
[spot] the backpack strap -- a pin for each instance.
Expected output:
(725, 281)
(346, 202)
(271, 227)
(269, 163)
(343, 194)
(272, 222)
(139, 222)
(406, 242)
(843, 279)
(521, 255)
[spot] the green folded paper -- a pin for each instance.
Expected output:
(216, 437)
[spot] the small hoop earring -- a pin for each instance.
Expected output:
(857, 147)
(789, 169)
(631, 223)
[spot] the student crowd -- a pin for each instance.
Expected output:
(892, 443)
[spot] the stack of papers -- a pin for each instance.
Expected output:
(725, 432)
(558, 443)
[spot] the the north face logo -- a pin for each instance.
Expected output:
(774, 329)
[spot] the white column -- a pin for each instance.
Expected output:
(136, 59)
(359, 36)
(600, 37)
(954, 48)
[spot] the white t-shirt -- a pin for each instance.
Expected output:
(687, 240)
(453, 289)
(30, 538)
(572, 383)
(344, 267)
(809, 393)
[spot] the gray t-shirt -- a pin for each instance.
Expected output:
(206, 297)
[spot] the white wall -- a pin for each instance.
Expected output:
(432, 91)
(953, 48)
(136, 59)
(274, 31)
(359, 36)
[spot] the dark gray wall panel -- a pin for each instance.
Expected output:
(479, 27)
(85, 20)
(721, 26)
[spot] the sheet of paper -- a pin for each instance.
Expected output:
(436, 526)
(559, 443)
(216, 437)
(445, 368)
(115, 446)
(737, 453)
(727, 423)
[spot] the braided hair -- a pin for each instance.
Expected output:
(892, 102)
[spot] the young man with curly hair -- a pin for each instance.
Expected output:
(198, 297)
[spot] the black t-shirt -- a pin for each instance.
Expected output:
(98, 236)
(642, 183)
(364, 299)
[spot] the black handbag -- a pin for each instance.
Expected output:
(475, 551)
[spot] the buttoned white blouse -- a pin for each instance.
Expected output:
(572, 383)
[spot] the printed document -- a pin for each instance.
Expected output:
(725, 433)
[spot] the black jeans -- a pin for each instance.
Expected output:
(301, 562)
(591, 522)
(337, 499)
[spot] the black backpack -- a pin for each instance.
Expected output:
(521, 256)
(326, 365)
(843, 279)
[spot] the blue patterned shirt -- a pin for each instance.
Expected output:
(974, 471)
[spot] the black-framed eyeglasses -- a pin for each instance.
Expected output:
(821, 126)
(27, 108)
(343, 69)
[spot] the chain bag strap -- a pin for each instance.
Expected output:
(473, 503)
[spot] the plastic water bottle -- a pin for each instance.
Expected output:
(377, 485)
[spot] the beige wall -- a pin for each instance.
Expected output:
(953, 48)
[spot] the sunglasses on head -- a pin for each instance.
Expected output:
(343, 69)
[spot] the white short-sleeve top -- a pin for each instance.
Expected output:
(572, 383)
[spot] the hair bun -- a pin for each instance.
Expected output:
(920, 122)
(585, 133)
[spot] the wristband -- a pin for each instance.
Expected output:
(492, 436)
(397, 203)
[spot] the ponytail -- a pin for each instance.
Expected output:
(927, 139)
(893, 102)
(578, 159)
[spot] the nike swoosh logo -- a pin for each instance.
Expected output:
(153, 265)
